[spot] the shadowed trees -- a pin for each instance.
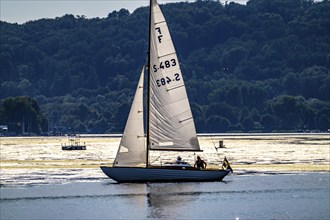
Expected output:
(263, 66)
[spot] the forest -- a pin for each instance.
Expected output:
(259, 67)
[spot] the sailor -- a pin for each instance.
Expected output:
(179, 160)
(200, 164)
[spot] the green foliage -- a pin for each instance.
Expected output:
(263, 66)
(22, 115)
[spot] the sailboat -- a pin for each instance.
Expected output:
(170, 124)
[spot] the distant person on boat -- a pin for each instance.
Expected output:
(200, 164)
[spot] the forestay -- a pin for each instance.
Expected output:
(132, 149)
(170, 118)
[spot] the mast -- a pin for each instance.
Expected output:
(148, 89)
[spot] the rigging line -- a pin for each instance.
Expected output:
(146, 60)
(199, 108)
(155, 159)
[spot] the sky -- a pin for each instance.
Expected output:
(21, 11)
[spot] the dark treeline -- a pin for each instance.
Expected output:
(263, 66)
(22, 115)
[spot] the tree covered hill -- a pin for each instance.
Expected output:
(263, 66)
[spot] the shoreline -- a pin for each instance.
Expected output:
(119, 135)
(109, 138)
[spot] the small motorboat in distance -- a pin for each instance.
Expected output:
(74, 143)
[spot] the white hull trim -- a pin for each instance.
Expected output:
(139, 174)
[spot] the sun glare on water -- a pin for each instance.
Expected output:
(41, 159)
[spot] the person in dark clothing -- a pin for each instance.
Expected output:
(200, 164)
(179, 160)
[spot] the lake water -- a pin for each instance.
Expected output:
(282, 196)
(275, 177)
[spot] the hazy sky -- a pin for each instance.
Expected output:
(20, 11)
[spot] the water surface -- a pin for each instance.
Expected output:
(275, 177)
(40, 160)
(281, 196)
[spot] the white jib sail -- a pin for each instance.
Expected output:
(171, 122)
(132, 149)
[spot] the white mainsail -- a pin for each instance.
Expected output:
(171, 125)
(132, 149)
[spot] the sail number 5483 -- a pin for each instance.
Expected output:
(167, 80)
(164, 65)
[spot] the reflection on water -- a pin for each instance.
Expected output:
(289, 196)
(167, 196)
(40, 160)
(251, 197)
